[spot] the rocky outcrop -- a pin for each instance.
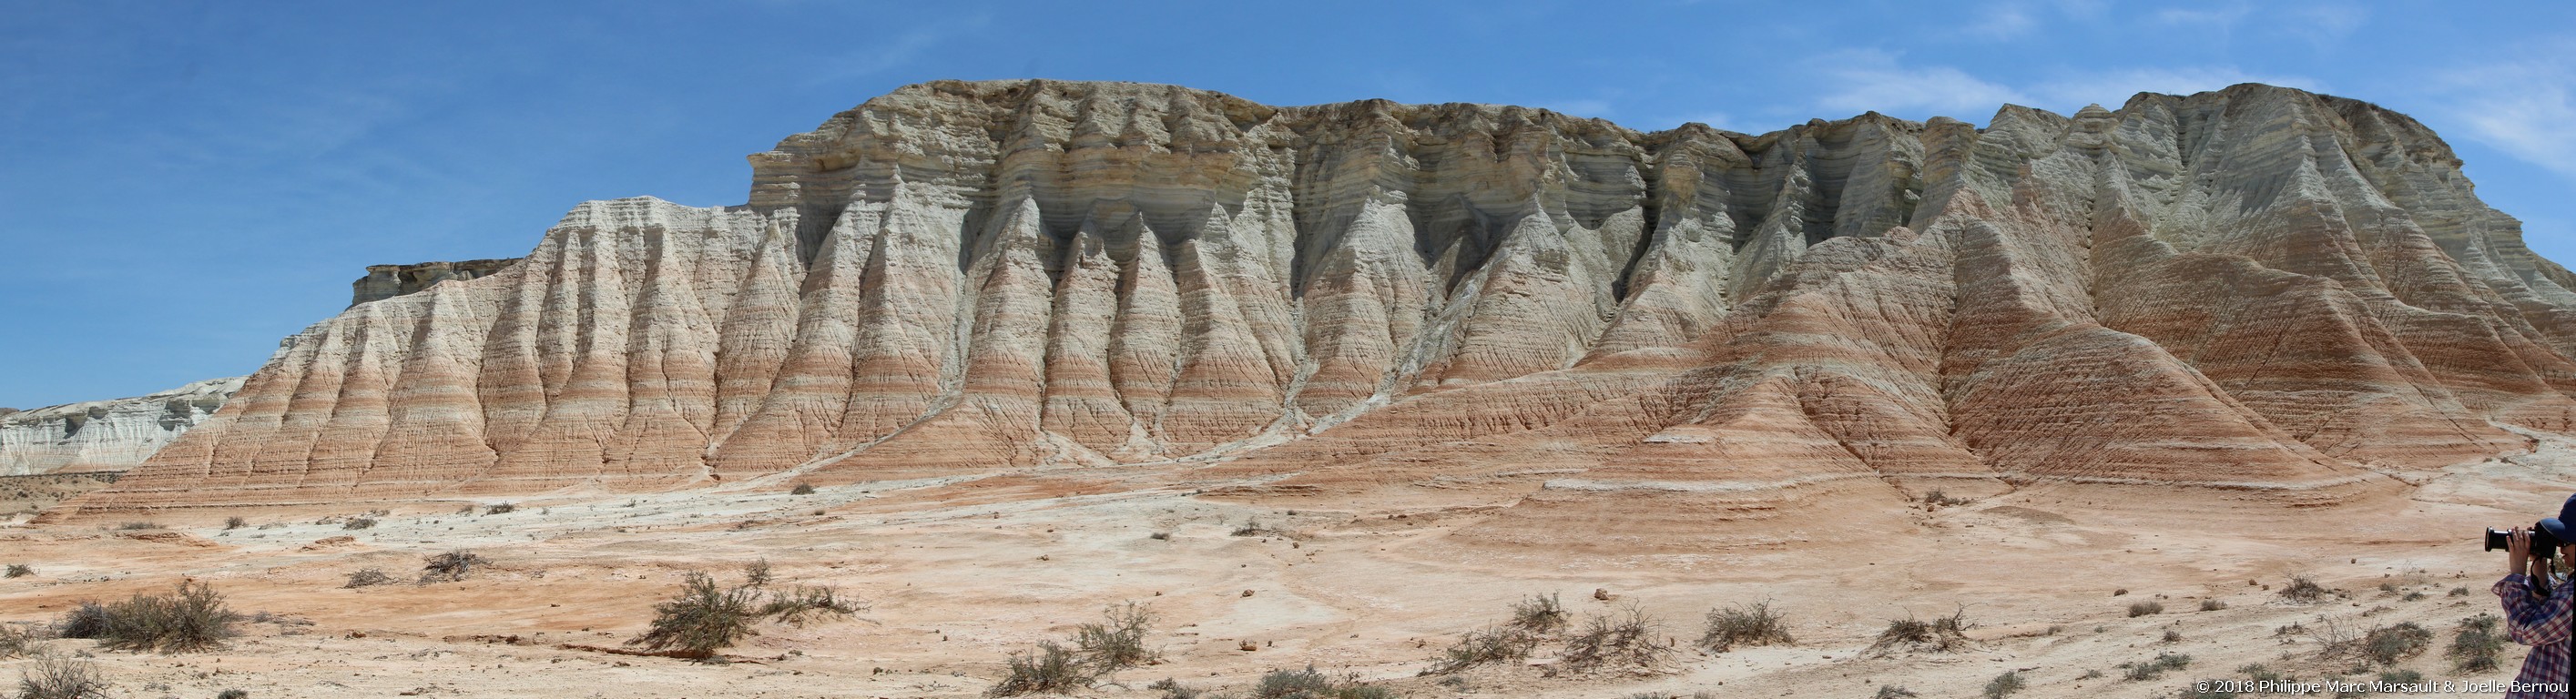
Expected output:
(2259, 291)
(388, 281)
(105, 435)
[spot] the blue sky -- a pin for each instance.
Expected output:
(185, 183)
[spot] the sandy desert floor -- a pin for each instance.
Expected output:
(962, 571)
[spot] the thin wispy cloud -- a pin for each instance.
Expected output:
(2324, 25)
(903, 49)
(2221, 17)
(1865, 80)
(2520, 105)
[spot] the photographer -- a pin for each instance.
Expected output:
(2536, 608)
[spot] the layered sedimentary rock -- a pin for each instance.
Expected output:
(2259, 290)
(105, 435)
(388, 281)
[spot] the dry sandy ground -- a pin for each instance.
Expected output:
(962, 571)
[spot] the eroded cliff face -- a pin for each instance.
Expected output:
(105, 435)
(2275, 294)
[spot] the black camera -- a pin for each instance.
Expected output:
(2543, 543)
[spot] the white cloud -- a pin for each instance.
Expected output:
(2004, 20)
(1873, 80)
(2221, 17)
(2520, 106)
(877, 56)
(2324, 25)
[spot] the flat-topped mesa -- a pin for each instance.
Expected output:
(2256, 290)
(388, 281)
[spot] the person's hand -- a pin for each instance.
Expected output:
(2518, 551)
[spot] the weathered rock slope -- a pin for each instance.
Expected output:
(2267, 293)
(105, 435)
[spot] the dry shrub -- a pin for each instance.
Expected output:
(1119, 642)
(2303, 589)
(2475, 644)
(1050, 670)
(1752, 625)
(1312, 684)
(193, 618)
(17, 641)
(802, 489)
(2004, 685)
(701, 619)
(2152, 669)
(369, 577)
(2387, 645)
(793, 606)
(453, 566)
(19, 570)
(501, 509)
(235, 522)
(1623, 639)
(758, 573)
(1947, 634)
(53, 676)
(1534, 620)
(359, 523)
(2212, 605)
(138, 526)
(1893, 691)
(2139, 609)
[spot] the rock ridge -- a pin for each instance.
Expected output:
(2286, 296)
(105, 435)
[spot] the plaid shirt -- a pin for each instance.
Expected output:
(2541, 623)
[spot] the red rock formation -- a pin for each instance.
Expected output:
(2260, 291)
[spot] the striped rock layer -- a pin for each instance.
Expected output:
(2258, 290)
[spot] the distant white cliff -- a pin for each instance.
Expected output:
(105, 435)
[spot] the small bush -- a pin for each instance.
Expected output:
(2152, 669)
(2173, 636)
(2139, 609)
(802, 489)
(2004, 685)
(232, 694)
(359, 523)
(1626, 638)
(1893, 691)
(758, 573)
(2212, 605)
(1539, 615)
(1250, 527)
(1160, 536)
(2388, 644)
(793, 606)
(453, 566)
(1119, 642)
(2475, 644)
(2459, 592)
(700, 619)
(1533, 620)
(193, 618)
(61, 677)
(1947, 634)
(1752, 625)
(369, 577)
(138, 526)
(20, 570)
(1940, 499)
(1172, 689)
(16, 641)
(235, 522)
(1052, 669)
(86, 619)
(500, 509)
(1312, 684)
(2302, 589)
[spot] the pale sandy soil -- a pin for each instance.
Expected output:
(962, 571)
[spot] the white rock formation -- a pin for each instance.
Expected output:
(105, 435)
